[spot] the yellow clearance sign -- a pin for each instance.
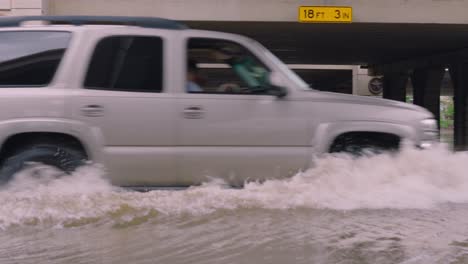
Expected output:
(325, 14)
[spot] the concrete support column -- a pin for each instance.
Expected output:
(426, 84)
(459, 76)
(395, 86)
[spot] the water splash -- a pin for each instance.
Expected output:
(411, 179)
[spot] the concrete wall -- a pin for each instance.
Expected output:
(20, 7)
(388, 11)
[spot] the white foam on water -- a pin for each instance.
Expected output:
(412, 179)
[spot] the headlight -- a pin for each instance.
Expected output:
(429, 125)
(430, 132)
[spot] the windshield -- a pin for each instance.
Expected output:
(288, 72)
(30, 58)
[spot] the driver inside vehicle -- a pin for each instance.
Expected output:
(192, 77)
(228, 67)
(245, 66)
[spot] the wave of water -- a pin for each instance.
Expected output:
(412, 179)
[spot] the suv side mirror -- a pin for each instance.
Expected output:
(277, 86)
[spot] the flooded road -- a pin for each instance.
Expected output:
(407, 208)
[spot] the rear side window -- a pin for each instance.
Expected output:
(30, 58)
(127, 63)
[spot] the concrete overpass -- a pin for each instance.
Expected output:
(364, 11)
(21, 7)
(403, 40)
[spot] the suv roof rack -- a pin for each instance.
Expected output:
(147, 22)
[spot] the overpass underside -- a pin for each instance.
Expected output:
(402, 53)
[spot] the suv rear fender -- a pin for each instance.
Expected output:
(326, 133)
(90, 138)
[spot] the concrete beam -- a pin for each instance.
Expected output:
(427, 84)
(424, 62)
(368, 11)
(27, 4)
(5, 4)
(20, 7)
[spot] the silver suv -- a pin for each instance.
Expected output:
(159, 104)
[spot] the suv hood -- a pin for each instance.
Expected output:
(314, 95)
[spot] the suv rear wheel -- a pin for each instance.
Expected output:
(61, 158)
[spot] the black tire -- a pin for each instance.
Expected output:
(63, 158)
(365, 145)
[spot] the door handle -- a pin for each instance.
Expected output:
(193, 112)
(92, 110)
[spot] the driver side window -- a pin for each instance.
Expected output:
(219, 66)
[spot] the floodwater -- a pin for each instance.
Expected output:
(405, 208)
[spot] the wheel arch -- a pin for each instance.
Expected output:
(26, 131)
(326, 134)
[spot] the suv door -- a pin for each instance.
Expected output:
(124, 98)
(231, 128)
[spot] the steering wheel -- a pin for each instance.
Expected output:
(229, 88)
